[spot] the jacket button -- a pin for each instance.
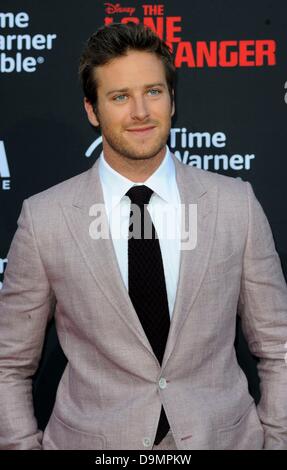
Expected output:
(146, 442)
(162, 383)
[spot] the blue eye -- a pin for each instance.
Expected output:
(154, 92)
(120, 98)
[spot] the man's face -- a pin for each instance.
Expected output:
(134, 109)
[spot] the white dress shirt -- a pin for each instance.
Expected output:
(164, 209)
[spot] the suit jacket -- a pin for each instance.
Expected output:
(110, 394)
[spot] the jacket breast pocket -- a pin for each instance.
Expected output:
(245, 433)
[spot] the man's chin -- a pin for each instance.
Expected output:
(143, 154)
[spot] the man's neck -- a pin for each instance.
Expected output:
(137, 171)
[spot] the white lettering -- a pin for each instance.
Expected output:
(21, 42)
(9, 20)
(6, 185)
(3, 263)
(182, 138)
(19, 64)
(4, 168)
(26, 42)
(219, 139)
(216, 162)
(199, 139)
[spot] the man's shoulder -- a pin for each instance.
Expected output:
(63, 192)
(226, 185)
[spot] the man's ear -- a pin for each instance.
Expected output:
(172, 104)
(91, 113)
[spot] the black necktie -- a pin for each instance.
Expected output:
(147, 288)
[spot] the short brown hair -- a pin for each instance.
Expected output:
(115, 40)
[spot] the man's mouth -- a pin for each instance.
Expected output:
(141, 130)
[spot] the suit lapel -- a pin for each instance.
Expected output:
(193, 263)
(99, 254)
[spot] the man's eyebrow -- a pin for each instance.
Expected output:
(124, 90)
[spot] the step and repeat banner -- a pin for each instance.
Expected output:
(231, 109)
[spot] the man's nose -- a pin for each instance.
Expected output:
(139, 109)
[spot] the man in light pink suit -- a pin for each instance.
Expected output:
(114, 390)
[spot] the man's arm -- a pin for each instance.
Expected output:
(263, 310)
(26, 304)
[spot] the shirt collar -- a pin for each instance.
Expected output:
(116, 185)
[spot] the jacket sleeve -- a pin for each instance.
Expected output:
(26, 304)
(263, 310)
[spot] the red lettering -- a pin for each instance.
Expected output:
(265, 49)
(242, 53)
(108, 20)
(245, 53)
(158, 28)
(205, 52)
(184, 54)
(224, 60)
(171, 29)
(130, 19)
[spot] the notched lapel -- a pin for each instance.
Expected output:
(99, 254)
(194, 262)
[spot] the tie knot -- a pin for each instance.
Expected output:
(139, 195)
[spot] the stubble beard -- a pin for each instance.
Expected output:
(132, 151)
(140, 151)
